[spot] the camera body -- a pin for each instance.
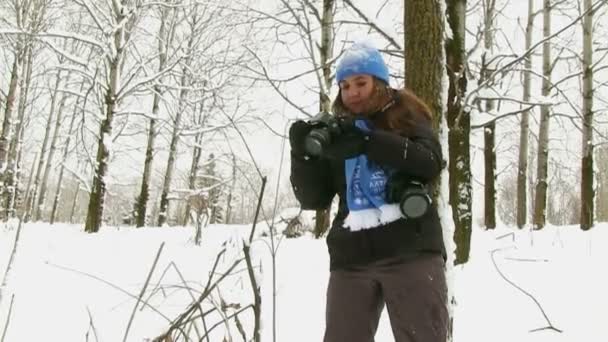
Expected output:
(411, 195)
(324, 127)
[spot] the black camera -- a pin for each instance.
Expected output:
(324, 127)
(411, 195)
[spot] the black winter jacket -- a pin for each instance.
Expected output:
(316, 181)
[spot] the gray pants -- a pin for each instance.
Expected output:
(414, 291)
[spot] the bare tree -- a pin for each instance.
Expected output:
(524, 131)
(540, 197)
(66, 150)
(489, 7)
(122, 15)
(13, 172)
(200, 19)
(166, 31)
(51, 154)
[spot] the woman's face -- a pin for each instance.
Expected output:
(356, 92)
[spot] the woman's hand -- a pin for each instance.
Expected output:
(297, 134)
(349, 144)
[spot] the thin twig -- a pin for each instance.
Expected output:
(111, 285)
(143, 290)
(91, 326)
(222, 321)
(550, 325)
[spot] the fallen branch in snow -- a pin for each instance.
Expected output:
(186, 317)
(143, 290)
(11, 259)
(527, 259)
(550, 325)
(188, 288)
(8, 319)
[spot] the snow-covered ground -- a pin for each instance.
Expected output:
(65, 282)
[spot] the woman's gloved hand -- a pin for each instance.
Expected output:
(297, 134)
(349, 144)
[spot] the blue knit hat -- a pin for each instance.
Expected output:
(362, 58)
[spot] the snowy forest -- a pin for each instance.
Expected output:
(162, 114)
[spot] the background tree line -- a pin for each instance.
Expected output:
(132, 111)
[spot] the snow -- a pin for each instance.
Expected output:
(61, 273)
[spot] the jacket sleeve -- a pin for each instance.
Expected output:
(312, 182)
(418, 155)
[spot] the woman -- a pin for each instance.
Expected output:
(378, 255)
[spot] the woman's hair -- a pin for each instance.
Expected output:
(407, 112)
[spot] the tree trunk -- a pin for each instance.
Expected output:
(522, 168)
(540, 198)
(28, 189)
(424, 53)
(11, 98)
(196, 159)
(64, 157)
(74, 201)
(144, 194)
(490, 129)
(230, 192)
(425, 73)
(587, 189)
(164, 198)
(96, 204)
(489, 152)
(459, 124)
(41, 162)
(49, 161)
(13, 172)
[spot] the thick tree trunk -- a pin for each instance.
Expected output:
(425, 74)
(540, 197)
(459, 124)
(587, 184)
(424, 53)
(522, 168)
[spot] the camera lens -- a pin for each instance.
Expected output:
(315, 140)
(414, 205)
